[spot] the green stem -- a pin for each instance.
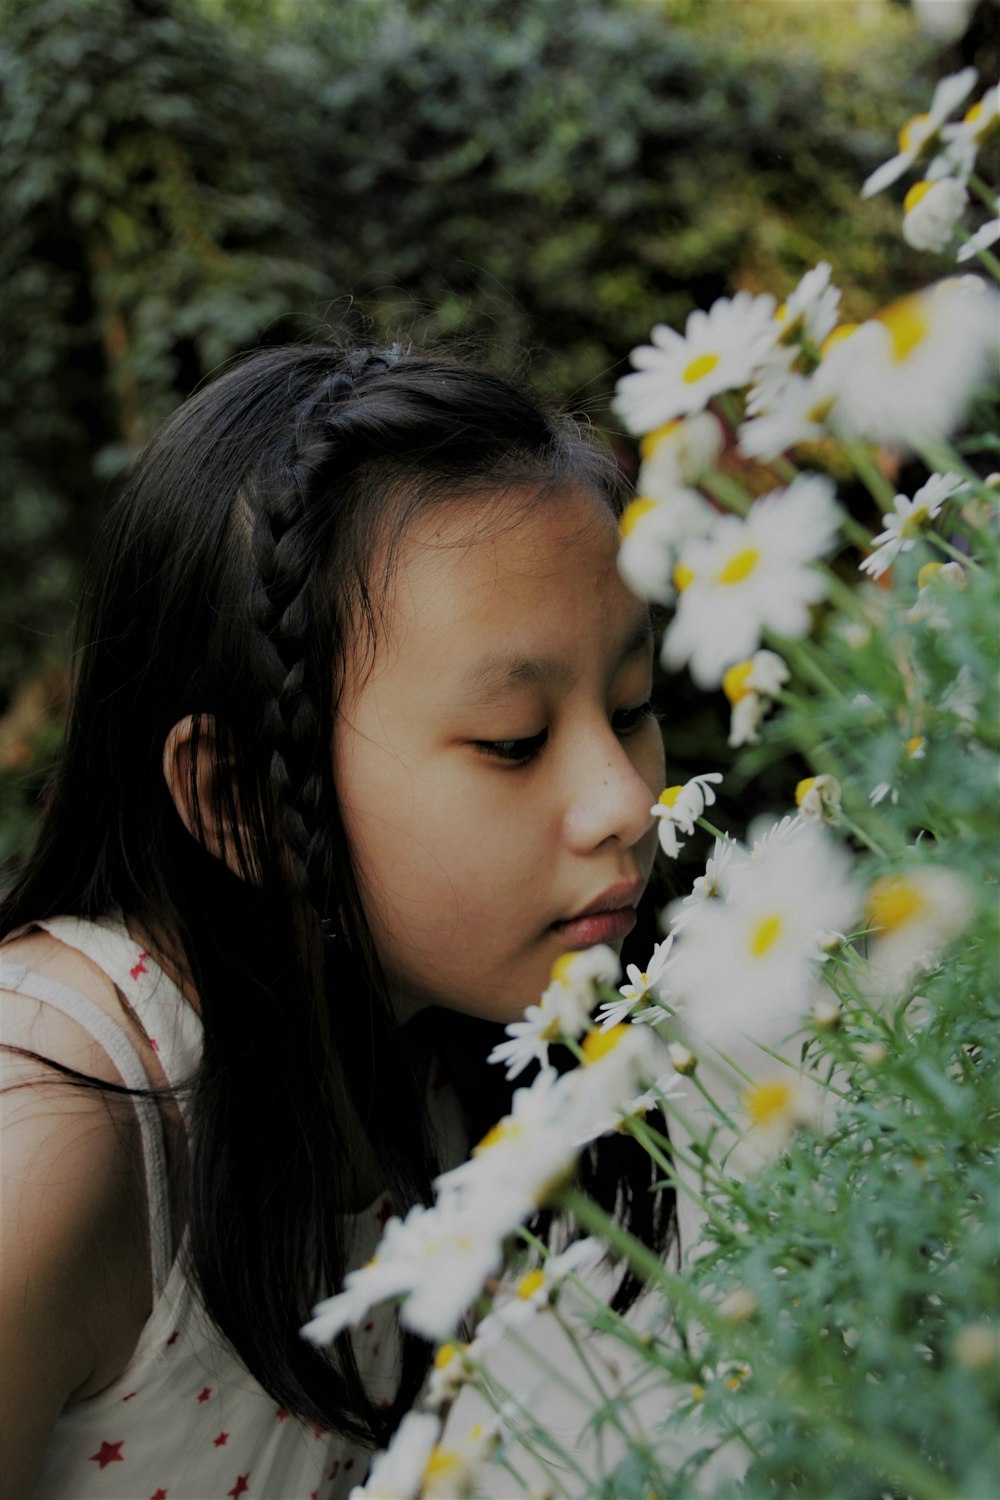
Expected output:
(861, 836)
(539, 1435)
(711, 828)
(715, 1105)
(870, 474)
(984, 192)
(806, 663)
(943, 458)
(953, 552)
(784, 469)
(988, 259)
(641, 1259)
(728, 491)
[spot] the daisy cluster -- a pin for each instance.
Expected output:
(439, 1257)
(942, 152)
(747, 389)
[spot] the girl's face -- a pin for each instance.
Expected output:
(496, 761)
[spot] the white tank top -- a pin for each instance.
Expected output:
(186, 1420)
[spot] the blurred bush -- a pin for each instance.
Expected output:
(183, 179)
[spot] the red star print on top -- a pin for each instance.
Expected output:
(109, 1453)
(240, 1487)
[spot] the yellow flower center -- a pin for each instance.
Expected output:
(445, 1355)
(504, 1130)
(917, 193)
(765, 934)
(767, 1102)
(820, 411)
(652, 440)
(907, 324)
(443, 1461)
(597, 1044)
(915, 522)
(974, 112)
(739, 567)
(551, 1031)
(697, 370)
(803, 789)
(633, 514)
(669, 795)
(529, 1284)
(909, 130)
(894, 902)
(927, 572)
(914, 746)
(682, 577)
(563, 967)
(837, 336)
(736, 681)
(697, 1393)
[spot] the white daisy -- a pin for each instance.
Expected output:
(751, 575)
(667, 1089)
(913, 916)
(779, 1103)
(943, 20)
(452, 1368)
(986, 235)
(651, 530)
(920, 136)
(752, 956)
(641, 984)
(931, 212)
(706, 887)
(907, 522)
(818, 799)
(518, 1163)
(564, 1009)
(751, 687)
(909, 373)
(962, 141)
(811, 311)
(934, 582)
(398, 1473)
(436, 1258)
(678, 808)
(679, 374)
(452, 1468)
(679, 453)
(538, 1288)
(795, 416)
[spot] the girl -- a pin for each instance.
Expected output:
(360, 743)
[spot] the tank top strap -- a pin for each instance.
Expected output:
(112, 1040)
(172, 1025)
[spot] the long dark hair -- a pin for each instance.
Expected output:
(231, 576)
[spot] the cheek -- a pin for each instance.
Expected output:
(650, 759)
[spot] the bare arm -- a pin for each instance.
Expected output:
(74, 1279)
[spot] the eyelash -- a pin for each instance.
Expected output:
(522, 752)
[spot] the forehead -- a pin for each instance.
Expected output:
(523, 572)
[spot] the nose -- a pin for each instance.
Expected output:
(610, 797)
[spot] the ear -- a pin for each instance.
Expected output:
(200, 806)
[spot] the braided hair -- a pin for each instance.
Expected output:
(252, 547)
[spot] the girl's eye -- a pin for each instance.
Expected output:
(514, 752)
(628, 719)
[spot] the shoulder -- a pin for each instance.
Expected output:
(74, 1288)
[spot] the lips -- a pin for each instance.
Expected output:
(625, 894)
(607, 919)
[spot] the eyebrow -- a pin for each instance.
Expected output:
(503, 670)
